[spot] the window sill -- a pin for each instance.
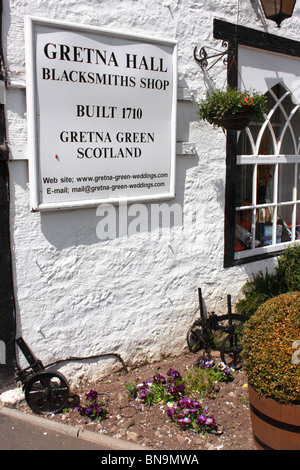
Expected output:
(259, 254)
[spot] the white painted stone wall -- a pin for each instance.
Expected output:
(135, 295)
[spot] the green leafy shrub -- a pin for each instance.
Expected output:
(268, 348)
(263, 286)
(218, 102)
(288, 270)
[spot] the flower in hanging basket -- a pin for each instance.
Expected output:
(232, 109)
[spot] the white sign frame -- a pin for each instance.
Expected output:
(35, 110)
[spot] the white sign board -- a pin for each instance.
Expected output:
(101, 115)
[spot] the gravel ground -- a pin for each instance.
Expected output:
(131, 420)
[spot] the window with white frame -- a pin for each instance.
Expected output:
(262, 191)
(268, 178)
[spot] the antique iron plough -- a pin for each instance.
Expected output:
(199, 334)
(47, 391)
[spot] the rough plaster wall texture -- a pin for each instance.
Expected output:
(135, 295)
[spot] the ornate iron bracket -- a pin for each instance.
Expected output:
(202, 57)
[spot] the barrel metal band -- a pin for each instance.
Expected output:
(275, 422)
(261, 444)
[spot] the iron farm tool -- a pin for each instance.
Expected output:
(47, 391)
(199, 334)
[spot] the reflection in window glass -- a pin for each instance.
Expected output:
(287, 146)
(264, 226)
(266, 143)
(243, 236)
(286, 177)
(284, 223)
(244, 183)
(265, 183)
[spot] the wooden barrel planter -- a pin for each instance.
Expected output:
(275, 426)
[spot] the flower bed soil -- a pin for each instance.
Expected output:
(128, 419)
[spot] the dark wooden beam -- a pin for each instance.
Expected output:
(253, 38)
(7, 304)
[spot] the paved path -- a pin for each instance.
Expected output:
(21, 431)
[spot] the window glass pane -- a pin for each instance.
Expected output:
(298, 183)
(286, 178)
(265, 183)
(266, 146)
(295, 123)
(244, 177)
(246, 145)
(243, 237)
(284, 223)
(264, 225)
(243, 145)
(287, 145)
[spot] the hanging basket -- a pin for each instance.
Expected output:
(232, 109)
(238, 121)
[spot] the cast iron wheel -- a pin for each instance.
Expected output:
(231, 350)
(47, 392)
(195, 339)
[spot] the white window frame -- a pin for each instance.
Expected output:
(275, 159)
(262, 48)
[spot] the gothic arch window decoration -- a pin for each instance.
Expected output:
(267, 178)
(263, 162)
(279, 95)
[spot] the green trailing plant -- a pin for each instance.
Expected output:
(231, 100)
(268, 348)
(263, 286)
